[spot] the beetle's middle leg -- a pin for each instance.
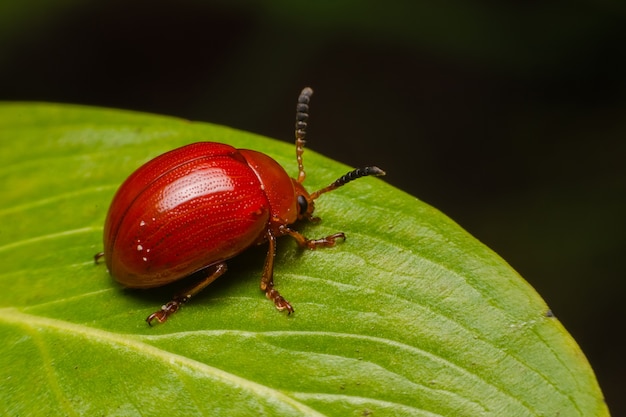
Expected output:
(172, 307)
(267, 279)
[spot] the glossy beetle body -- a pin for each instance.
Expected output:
(195, 207)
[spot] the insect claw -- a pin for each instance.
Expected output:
(280, 303)
(165, 311)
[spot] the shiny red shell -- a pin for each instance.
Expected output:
(193, 207)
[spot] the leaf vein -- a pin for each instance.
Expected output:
(42, 238)
(14, 316)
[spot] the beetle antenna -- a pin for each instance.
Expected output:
(350, 176)
(302, 115)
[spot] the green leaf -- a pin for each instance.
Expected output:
(409, 316)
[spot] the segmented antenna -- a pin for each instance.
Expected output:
(350, 176)
(302, 115)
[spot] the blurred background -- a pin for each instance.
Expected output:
(508, 116)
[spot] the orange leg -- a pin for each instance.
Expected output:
(304, 242)
(267, 279)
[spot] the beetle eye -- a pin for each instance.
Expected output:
(303, 205)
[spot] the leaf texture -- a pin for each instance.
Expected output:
(409, 316)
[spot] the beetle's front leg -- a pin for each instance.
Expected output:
(267, 279)
(304, 242)
(172, 307)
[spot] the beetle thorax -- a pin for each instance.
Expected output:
(277, 186)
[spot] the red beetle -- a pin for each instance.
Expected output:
(195, 207)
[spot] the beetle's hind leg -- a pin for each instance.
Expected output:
(172, 307)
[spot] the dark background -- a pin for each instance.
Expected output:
(508, 116)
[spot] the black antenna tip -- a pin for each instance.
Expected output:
(375, 171)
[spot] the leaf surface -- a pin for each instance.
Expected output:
(409, 316)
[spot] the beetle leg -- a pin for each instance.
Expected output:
(97, 257)
(267, 279)
(304, 242)
(172, 307)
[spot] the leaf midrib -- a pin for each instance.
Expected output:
(133, 343)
